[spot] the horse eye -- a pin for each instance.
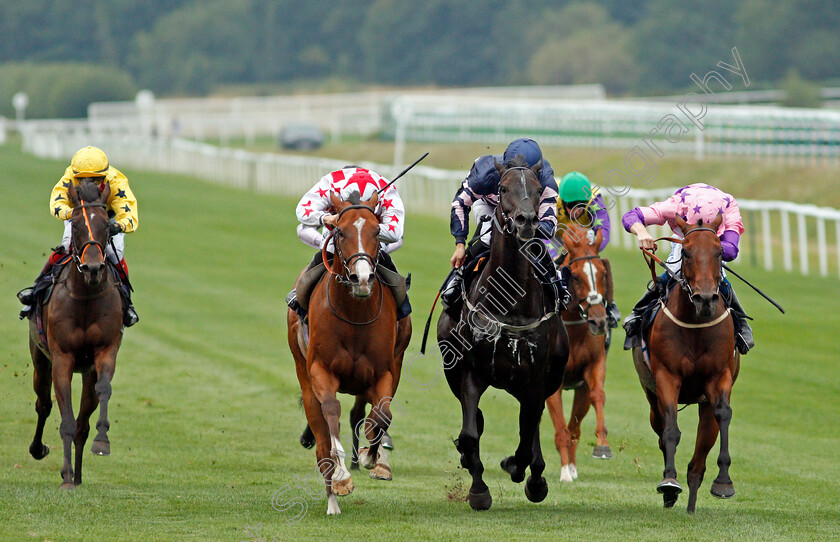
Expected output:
(502, 190)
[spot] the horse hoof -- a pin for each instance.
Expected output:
(67, 486)
(509, 465)
(566, 474)
(387, 443)
(536, 491)
(381, 472)
(480, 501)
(343, 487)
(670, 489)
(39, 454)
(306, 442)
(722, 491)
(101, 447)
(602, 452)
(354, 466)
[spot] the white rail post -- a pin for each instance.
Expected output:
(768, 242)
(801, 226)
(786, 248)
(821, 246)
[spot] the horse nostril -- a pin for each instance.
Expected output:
(354, 278)
(371, 278)
(520, 220)
(715, 298)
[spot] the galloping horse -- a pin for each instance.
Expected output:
(82, 331)
(506, 337)
(692, 360)
(586, 323)
(356, 347)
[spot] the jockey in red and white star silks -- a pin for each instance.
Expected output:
(315, 206)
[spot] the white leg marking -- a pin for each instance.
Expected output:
(565, 474)
(340, 472)
(573, 471)
(332, 505)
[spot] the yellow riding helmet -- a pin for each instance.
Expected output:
(89, 162)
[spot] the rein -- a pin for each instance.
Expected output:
(509, 327)
(652, 259)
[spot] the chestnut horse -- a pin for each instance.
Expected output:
(585, 320)
(506, 337)
(82, 324)
(356, 347)
(692, 360)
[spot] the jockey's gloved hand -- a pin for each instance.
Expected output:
(590, 236)
(114, 227)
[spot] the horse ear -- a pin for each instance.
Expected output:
(681, 223)
(500, 167)
(106, 192)
(336, 201)
(599, 238)
(717, 222)
(72, 194)
(372, 201)
(536, 168)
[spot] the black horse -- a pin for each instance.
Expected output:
(508, 335)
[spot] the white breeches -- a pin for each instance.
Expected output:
(114, 250)
(481, 209)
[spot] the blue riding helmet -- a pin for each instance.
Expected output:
(526, 147)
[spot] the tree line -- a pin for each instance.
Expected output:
(198, 47)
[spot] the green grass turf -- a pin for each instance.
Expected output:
(205, 419)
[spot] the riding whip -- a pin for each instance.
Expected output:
(762, 294)
(401, 174)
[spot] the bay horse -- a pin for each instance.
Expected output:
(585, 320)
(356, 347)
(506, 337)
(82, 326)
(692, 360)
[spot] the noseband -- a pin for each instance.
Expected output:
(78, 253)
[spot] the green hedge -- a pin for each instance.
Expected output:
(62, 90)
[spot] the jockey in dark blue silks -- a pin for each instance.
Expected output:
(480, 191)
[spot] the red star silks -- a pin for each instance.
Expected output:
(387, 204)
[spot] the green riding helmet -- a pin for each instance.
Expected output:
(575, 186)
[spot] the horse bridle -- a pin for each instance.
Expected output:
(652, 259)
(78, 253)
(591, 300)
(508, 227)
(346, 262)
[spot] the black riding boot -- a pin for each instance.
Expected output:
(129, 314)
(291, 297)
(743, 332)
(387, 262)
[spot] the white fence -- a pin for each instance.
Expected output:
(429, 190)
(707, 129)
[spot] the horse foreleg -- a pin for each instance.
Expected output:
(530, 412)
(598, 398)
(42, 382)
(325, 387)
(61, 376)
(472, 425)
(667, 391)
(707, 431)
(580, 406)
(722, 487)
(88, 405)
(562, 438)
(105, 362)
(357, 414)
(376, 424)
(536, 488)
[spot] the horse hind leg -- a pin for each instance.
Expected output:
(598, 398)
(89, 403)
(357, 415)
(530, 412)
(105, 363)
(375, 427)
(42, 382)
(580, 407)
(707, 431)
(562, 438)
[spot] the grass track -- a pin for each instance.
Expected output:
(205, 418)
